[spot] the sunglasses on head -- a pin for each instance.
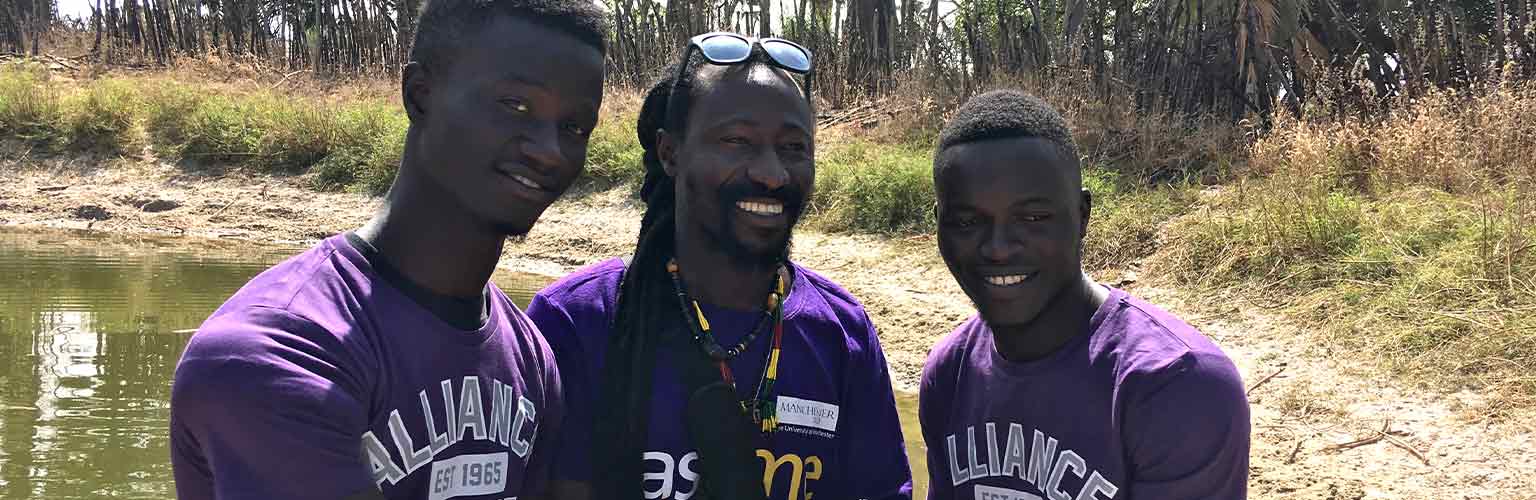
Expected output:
(726, 48)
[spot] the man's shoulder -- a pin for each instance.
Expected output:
(294, 283)
(1147, 342)
(282, 312)
(586, 285)
(833, 293)
(958, 341)
(823, 305)
(951, 350)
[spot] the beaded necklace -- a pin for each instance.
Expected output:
(763, 407)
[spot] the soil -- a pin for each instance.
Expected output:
(1325, 425)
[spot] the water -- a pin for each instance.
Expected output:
(91, 327)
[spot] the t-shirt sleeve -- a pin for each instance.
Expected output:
(550, 433)
(869, 423)
(571, 459)
(261, 409)
(1190, 437)
(933, 401)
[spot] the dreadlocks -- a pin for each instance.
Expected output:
(645, 306)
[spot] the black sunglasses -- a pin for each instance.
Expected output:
(725, 48)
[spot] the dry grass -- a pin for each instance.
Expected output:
(1142, 146)
(1412, 237)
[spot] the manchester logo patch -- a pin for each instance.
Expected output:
(807, 413)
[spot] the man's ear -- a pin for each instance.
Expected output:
(1086, 206)
(666, 151)
(415, 87)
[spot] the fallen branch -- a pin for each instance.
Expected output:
(1265, 379)
(1385, 424)
(49, 189)
(1385, 434)
(1355, 444)
(61, 62)
(1394, 441)
(221, 210)
(286, 77)
(1292, 458)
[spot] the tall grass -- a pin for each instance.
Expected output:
(868, 187)
(29, 108)
(1410, 236)
(341, 138)
(1150, 146)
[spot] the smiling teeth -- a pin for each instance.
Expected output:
(1007, 280)
(527, 182)
(761, 208)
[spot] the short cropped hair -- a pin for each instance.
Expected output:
(1004, 114)
(443, 24)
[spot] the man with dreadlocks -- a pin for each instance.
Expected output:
(1060, 387)
(709, 365)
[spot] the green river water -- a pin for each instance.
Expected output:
(91, 327)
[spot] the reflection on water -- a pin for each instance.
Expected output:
(91, 327)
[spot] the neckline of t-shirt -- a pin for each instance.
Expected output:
(798, 292)
(1019, 368)
(494, 315)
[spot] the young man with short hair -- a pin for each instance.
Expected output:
(1060, 387)
(382, 364)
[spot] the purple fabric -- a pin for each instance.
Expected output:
(1144, 407)
(839, 434)
(317, 380)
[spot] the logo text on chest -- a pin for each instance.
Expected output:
(665, 477)
(807, 413)
(511, 422)
(1044, 467)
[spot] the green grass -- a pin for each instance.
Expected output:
(352, 144)
(1434, 284)
(30, 109)
(614, 153)
(101, 119)
(867, 187)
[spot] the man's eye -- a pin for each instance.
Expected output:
(1035, 217)
(735, 140)
(798, 147)
(962, 222)
(515, 104)
(578, 130)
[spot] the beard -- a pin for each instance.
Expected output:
(772, 254)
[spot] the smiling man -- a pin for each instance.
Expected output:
(710, 365)
(382, 363)
(1060, 388)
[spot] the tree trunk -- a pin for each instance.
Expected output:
(765, 19)
(1500, 40)
(1043, 49)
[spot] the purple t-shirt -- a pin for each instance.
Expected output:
(839, 436)
(318, 380)
(1143, 407)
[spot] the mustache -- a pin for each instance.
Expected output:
(790, 195)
